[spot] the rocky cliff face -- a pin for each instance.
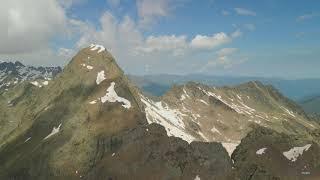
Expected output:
(266, 154)
(89, 123)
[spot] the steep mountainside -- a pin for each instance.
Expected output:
(199, 112)
(266, 154)
(88, 123)
(12, 74)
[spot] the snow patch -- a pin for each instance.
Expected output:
(94, 47)
(45, 83)
(93, 102)
(197, 178)
(239, 97)
(35, 83)
(288, 111)
(27, 139)
(215, 130)
(261, 151)
(204, 102)
(54, 131)
(100, 77)
(295, 152)
(89, 67)
(183, 97)
(230, 147)
(170, 119)
(112, 96)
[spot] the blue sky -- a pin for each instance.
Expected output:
(268, 38)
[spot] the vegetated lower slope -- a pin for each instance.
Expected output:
(88, 123)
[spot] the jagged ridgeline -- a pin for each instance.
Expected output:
(13, 74)
(90, 122)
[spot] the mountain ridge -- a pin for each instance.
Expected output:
(91, 122)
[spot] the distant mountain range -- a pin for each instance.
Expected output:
(294, 89)
(13, 73)
(311, 104)
(301, 90)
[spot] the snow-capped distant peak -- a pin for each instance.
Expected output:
(100, 48)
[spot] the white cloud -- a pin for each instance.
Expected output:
(174, 44)
(226, 51)
(226, 58)
(32, 22)
(210, 42)
(307, 17)
(150, 10)
(65, 52)
(245, 12)
(236, 34)
(124, 38)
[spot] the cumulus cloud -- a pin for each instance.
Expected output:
(119, 37)
(244, 12)
(210, 42)
(125, 36)
(32, 22)
(226, 51)
(226, 58)
(124, 39)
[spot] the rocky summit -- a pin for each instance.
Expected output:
(90, 122)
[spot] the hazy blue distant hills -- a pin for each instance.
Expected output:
(294, 89)
(311, 104)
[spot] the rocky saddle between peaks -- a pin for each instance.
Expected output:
(90, 122)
